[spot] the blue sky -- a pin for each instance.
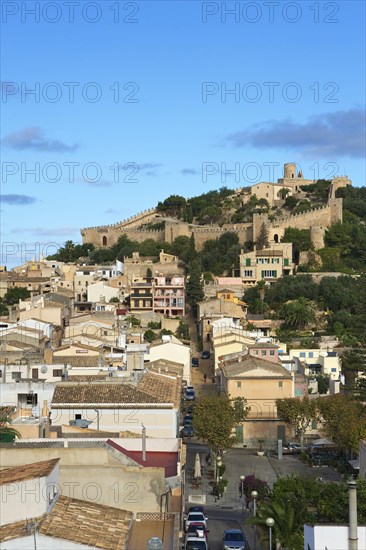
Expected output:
(151, 99)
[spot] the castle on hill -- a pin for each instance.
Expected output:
(317, 219)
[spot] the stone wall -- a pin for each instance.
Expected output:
(322, 217)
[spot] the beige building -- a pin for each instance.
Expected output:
(120, 407)
(268, 264)
(260, 382)
(271, 192)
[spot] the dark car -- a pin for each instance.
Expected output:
(190, 395)
(187, 431)
(234, 539)
(205, 355)
(195, 362)
(188, 419)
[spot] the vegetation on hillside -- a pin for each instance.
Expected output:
(341, 299)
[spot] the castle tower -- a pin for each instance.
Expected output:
(317, 233)
(289, 170)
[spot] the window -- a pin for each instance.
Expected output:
(302, 354)
(333, 369)
(314, 425)
(280, 384)
(248, 262)
(271, 352)
(311, 354)
(298, 392)
(248, 273)
(286, 262)
(269, 274)
(275, 260)
(78, 417)
(57, 372)
(238, 384)
(263, 352)
(32, 399)
(105, 333)
(16, 375)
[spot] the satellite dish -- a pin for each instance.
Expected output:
(44, 369)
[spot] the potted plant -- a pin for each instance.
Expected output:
(260, 452)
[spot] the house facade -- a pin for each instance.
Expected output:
(268, 264)
(260, 382)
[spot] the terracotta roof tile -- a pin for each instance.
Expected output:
(102, 393)
(28, 471)
(88, 523)
(248, 366)
(162, 386)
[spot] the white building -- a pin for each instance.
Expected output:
(172, 349)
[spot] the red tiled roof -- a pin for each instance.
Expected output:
(154, 459)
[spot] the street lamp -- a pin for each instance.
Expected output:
(270, 523)
(254, 495)
(242, 479)
(218, 464)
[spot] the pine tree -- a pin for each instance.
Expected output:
(262, 239)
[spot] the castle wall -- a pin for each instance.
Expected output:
(320, 218)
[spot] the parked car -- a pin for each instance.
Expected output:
(195, 362)
(190, 394)
(188, 419)
(295, 447)
(234, 539)
(197, 529)
(205, 355)
(187, 431)
(194, 517)
(195, 543)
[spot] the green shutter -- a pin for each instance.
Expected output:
(286, 261)
(239, 433)
(247, 262)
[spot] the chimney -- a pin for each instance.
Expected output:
(143, 443)
(352, 530)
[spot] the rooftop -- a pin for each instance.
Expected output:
(28, 471)
(248, 366)
(118, 395)
(87, 523)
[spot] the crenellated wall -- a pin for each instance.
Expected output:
(321, 218)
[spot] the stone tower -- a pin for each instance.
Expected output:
(317, 233)
(289, 171)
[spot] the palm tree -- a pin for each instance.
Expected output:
(298, 314)
(7, 432)
(287, 516)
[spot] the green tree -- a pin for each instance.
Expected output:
(300, 239)
(297, 314)
(150, 336)
(323, 383)
(288, 522)
(13, 295)
(298, 412)
(175, 205)
(7, 432)
(215, 418)
(284, 192)
(353, 362)
(3, 309)
(262, 239)
(194, 286)
(345, 429)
